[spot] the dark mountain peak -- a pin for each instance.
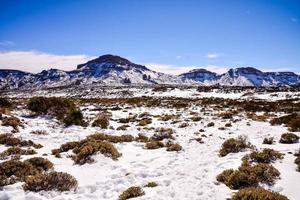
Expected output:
(6, 72)
(112, 59)
(201, 70)
(245, 70)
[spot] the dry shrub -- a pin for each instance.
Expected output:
(154, 145)
(174, 147)
(39, 132)
(264, 156)
(257, 194)
(167, 117)
(269, 140)
(84, 152)
(74, 117)
(228, 125)
(57, 181)
(10, 140)
(162, 133)
(5, 103)
(233, 145)
(12, 121)
(145, 121)
(141, 138)
(13, 171)
(111, 138)
(210, 124)
(297, 162)
(183, 125)
(15, 152)
(102, 121)
(289, 138)
(98, 143)
(123, 127)
(131, 192)
(196, 118)
(151, 184)
(249, 176)
(291, 120)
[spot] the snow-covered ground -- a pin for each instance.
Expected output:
(189, 174)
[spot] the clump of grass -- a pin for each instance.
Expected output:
(57, 181)
(249, 176)
(123, 127)
(289, 138)
(233, 145)
(15, 152)
(145, 121)
(154, 145)
(102, 121)
(291, 120)
(196, 118)
(269, 140)
(174, 147)
(297, 162)
(111, 138)
(141, 138)
(10, 140)
(131, 192)
(5, 103)
(257, 194)
(264, 156)
(12, 171)
(151, 184)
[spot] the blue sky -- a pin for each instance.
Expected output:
(166, 34)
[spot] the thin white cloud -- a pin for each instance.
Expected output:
(32, 61)
(212, 55)
(178, 57)
(293, 19)
(176, 70)
(6, 43)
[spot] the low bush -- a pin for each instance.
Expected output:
(174, 147)
(5, 103)
(257, 194)
(84, 152)
(210, 124)
(291, 120)
(289, 138)
(12, 121)
(39, 132)
(196, 118)
(12, 171)
(74, 117)
(10, 140)
(151, 184)
(233, 145)
(249, 176)
(57, 181)
(131, 192)
(145, 121)
(264, 156)
(102, 121)
(269, 140)
(154, 145)
(297, 162)
(15, 152)
(141, 138)
(123, 127)
(98, 143)
(162, 133)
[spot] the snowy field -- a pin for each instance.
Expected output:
(187, 174)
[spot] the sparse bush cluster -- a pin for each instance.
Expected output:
(269, 140)
(98, 143)
(290, 120)
(233, 145)
(13, 171)
(62, 108)
(174, 147)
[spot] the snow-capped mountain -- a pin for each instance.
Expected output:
(115, 70)
(246, 76)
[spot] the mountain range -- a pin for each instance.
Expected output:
(115, 70)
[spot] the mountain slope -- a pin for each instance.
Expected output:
(115, 70)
